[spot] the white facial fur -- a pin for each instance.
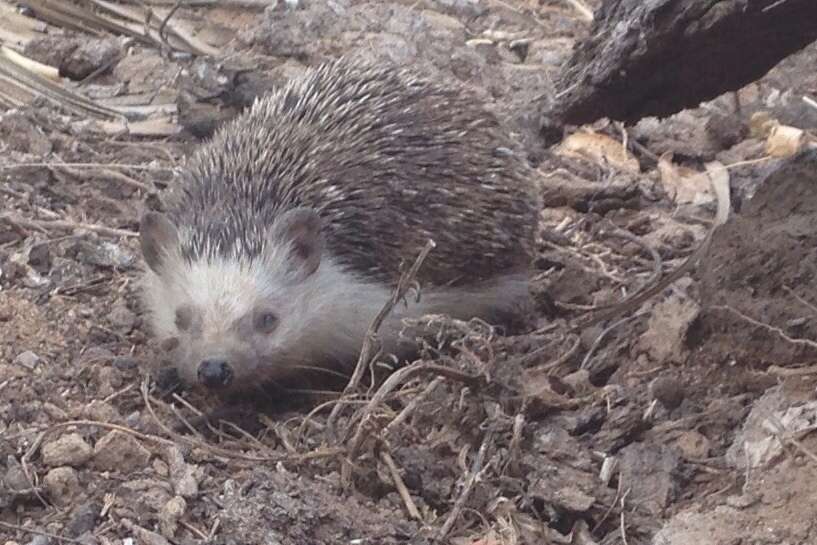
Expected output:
(322, 318)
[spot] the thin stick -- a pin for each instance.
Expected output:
(623, 526)
(405, 282)
(163, 25)
(224, 452)
(412, 406)
(800, 299)
(411, 507)
(656, 257)
(553, 364)
(66, 225)
(38, 532)
(776, 330)
(476, 472)
(789, 372)
(608, 329)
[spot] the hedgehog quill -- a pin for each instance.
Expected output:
(289, 231)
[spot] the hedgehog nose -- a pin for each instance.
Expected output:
(214, 373)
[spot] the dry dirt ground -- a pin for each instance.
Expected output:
(687, 421)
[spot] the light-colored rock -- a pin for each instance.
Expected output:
(185, 477)
(27, 359)
(170, 514)
(118, 451)
(62, 485)
(69, 450)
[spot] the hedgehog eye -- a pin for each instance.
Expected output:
(184, 316)
(265, 322)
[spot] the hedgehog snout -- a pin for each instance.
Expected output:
(215, 373)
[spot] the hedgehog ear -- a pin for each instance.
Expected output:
(302, 228)
(157, 235)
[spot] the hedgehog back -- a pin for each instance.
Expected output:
(387, 159)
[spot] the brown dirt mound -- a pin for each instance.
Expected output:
(758, 283)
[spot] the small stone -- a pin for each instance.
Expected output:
(170, 514)
(54, 412)
(84, 519)
(668, 391)
(91, 54)
(743, 501)
(101, 411)
(122, 318)
(133, 419)
(693, 445)
(160, 468)
(118, 451)
(102, 254)
(68, 450)
(579, 381)
(573, 499)
(40, 540)
(125, 363)
(62, 485)
(95, 354)
(39, 258)
(182, 475)
(27, 359)
(15, 478)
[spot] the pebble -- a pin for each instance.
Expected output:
(84, 519)
(182, 474)
(122, 318)
(103, 254)
(15, 478)
(39, 257)
(743, 501)
(61, 485)
(27, 359)
(573, 499)
(579, 381)
(125, 363)
(100, 411)
(160, 468)
(90, 55)
(693, 445)
(133, 420)
(118, 451)
(40, 540)
(668, 391)
(170, 514)
(68, 450)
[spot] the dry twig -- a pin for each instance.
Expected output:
(406, 281)
(38, 533)
(411, 507)
(477, 470)
(772, 329)
(66, 225)
(321, 453)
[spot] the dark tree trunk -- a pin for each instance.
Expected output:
(657, 57)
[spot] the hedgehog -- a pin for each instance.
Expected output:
(294, 221)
